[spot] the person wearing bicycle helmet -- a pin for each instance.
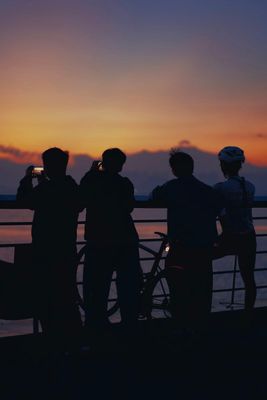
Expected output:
(238, 233)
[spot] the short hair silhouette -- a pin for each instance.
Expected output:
(55, 161)
(113, 160)
(182, 164)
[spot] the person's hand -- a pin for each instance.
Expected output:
(28, 172)
(42, 177)
(95, 165)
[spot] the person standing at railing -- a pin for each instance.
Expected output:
(112, 242)
(238, 234)
(55, 201)
(192, 207)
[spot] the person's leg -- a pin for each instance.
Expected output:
(225, 245)
(246, 261)
(190, 283)
(96, 285)
(67, 316)
(46, 308)
(201, 283)
(179, 294)
(41, 290)
(128, 283)
(176, 267)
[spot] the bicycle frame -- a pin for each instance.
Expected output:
(150, 277)
(154, 276)
(157, 254)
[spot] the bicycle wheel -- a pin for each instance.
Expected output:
(113, 304)
(155, 298)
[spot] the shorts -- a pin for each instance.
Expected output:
(241, 244)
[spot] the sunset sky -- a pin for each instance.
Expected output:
(85, 75)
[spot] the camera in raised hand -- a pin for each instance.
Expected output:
(37, 172)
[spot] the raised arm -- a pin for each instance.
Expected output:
(25, 190)
(159, 194)
(128, 195)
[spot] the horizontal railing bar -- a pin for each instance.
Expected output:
(16, 223)
(3, 245)
(81, 282)
(78, 243)
(236, 289)
(138, 221)
(114, 299)
(229, 271)
(9, 245)
(140, 240)
(9, 202)
(144, 221)
(151, 240)
(218, 290)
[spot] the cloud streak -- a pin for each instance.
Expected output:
(19, 156)
(262, 135)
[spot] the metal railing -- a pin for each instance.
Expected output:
(9, 202)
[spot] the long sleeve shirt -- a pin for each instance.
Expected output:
(109, 201)
(56, 208)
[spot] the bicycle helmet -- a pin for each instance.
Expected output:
(231, 154)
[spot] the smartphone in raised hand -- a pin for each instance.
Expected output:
(37, 171)
(96, 165)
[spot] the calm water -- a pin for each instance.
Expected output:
(15, 234)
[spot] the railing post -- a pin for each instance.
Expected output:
(230, 305)
(35, 325)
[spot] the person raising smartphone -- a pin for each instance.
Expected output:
(55, 201)
(112, 242)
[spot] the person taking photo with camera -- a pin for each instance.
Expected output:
(112, 242)
(55, 201)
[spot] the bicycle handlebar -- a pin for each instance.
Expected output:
(161, 234)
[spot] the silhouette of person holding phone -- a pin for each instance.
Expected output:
(55, 201)
(112, 242)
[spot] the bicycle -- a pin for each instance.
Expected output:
(154, 291)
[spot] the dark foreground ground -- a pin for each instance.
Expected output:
(228, 361)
